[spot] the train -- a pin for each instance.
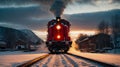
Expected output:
(58, 39)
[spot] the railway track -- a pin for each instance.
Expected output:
(31, 62)
(63, 60)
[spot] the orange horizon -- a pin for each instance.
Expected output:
(73, 34)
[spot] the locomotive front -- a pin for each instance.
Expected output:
(58, 39)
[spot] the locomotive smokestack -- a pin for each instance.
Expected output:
(58, 18)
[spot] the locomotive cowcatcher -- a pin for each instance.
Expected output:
(58, 39)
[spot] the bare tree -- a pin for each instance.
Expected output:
(103, 27)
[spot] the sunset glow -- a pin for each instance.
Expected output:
(73, 34)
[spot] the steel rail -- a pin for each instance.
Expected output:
(95, 61)
(31, 62)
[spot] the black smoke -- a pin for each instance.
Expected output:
(57, 8)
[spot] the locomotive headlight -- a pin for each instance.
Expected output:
(58, 19)
(58, 36)
(58, 27)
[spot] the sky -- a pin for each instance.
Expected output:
(84, 15)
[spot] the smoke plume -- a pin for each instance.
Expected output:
(58, 7)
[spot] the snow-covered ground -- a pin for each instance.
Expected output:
(102, 57)
(13, 58)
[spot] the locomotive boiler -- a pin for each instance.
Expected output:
(58, 39)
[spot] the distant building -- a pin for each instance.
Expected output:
(97, 43)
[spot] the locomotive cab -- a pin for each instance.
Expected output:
(58, 39)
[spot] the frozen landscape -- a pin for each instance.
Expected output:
(14, 58)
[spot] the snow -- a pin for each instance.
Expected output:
(14, 58)
(80, 62)
(64, 60)
(11, 59)
(102, 57)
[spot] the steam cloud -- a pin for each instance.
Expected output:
(58, 7)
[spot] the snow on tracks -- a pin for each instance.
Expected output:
(66, 60)
(31, 62)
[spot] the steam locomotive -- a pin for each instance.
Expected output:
(58, 39)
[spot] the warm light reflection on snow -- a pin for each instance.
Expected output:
(74, 47)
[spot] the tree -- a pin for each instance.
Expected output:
(103, 27)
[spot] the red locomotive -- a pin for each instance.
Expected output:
(58, 39)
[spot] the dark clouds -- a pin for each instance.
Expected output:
(89, 21)
(116, 1)
(17, 2)
(36, 17)
(84, 1)
(50, 2)
(23, 16)
(94, 1)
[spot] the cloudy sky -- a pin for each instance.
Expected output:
(84, 15)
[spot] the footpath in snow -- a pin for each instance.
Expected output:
(102, 57)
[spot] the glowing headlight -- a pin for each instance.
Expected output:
(58, 36)
(58, 27)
